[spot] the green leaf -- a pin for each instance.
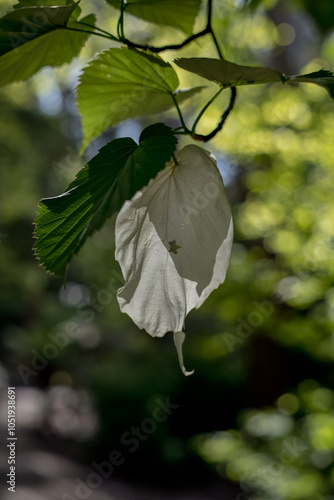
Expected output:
(113, 176)
(324, 78)
(120, 84)
(41, 3)
(176, 13)
(34, 37)
(184, 94)
(49, 3)
(229, 74)
(24, 25)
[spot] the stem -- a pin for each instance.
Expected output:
(120, 25)
(204, 109)
(215, 41)
(205, 138)
(209, 26)
(99, 29)
(110, 37)
(185, 128)
(229, 108)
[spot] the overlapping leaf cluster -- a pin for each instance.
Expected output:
(119, 83)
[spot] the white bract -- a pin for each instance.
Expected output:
(173, 243)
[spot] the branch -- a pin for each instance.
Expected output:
(166, 47)
(207, 30)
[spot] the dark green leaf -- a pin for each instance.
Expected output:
(120, 84)
(49, 3)
(113, 176)
(176, 13)
(229, 74)
(43, 41)
(183, 95)
(324, 78)
(41, 3)
(24, 25)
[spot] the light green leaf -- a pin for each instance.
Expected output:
(175, 13)
(49, 44)
(120, 84)
(113, 176)
(229, 74)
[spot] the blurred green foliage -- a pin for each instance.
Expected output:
(260, 407)
(283, 452)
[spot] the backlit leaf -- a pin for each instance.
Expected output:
(120, 84)
(229, 74)
(34, 37)
(121, 168)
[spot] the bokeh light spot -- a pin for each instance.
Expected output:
(285, 34)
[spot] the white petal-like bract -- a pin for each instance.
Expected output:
(173, 243)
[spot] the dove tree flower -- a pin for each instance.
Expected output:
(173, 243)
